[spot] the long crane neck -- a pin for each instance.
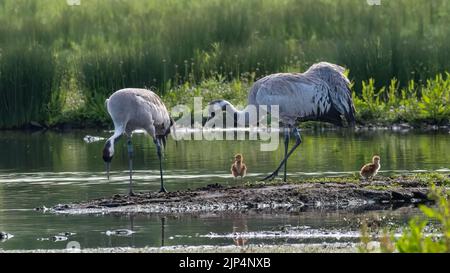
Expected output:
(229, 108)
(108, 150)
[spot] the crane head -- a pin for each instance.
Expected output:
(214, 107)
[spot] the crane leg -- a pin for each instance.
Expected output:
(298, 141)
(158, 150)
(286, 145)
(130, 164)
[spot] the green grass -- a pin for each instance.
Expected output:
(425, 179)
(373, 107)
(344, 179)
(59, 62)
(441, 179)
(26, 80)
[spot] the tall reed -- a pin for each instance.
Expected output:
(166, 43)
(26, 78)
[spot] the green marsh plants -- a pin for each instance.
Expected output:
(26, 79)
(168, 45)
(425, 103)
(415, 237)
(427, 234)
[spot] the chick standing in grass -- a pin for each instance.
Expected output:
(238, 168)
(369, 170)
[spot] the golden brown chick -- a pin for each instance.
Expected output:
(238, 168)
(369, 170)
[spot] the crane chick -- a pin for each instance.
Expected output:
(369, 170)
(238, 168)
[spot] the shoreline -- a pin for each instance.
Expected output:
(294, 196)
(401, 127)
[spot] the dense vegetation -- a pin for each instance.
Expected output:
(59, 62)
(427, 234)
(417, 104)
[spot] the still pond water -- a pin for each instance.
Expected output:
(48, 168)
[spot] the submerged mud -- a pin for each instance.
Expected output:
(261, 197)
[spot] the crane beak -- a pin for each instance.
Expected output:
(107, 165)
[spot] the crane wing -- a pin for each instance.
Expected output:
(298, 98)
(338, 89)
(321, 93)
(154, 106)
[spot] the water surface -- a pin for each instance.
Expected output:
(47, 168)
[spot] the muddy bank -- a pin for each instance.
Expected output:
(262, 197)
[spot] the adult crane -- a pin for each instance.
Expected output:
(132, 109)
(321, 93)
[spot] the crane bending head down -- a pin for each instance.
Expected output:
(131, 109)
(321, 93)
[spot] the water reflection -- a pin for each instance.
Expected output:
(321, 151)
(240, 227)
(163, 225)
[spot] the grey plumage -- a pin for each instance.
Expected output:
(132, 109)
(321, 93)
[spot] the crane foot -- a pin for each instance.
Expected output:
(270, 176)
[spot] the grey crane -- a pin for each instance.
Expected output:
(321, 93)
(132, 109)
